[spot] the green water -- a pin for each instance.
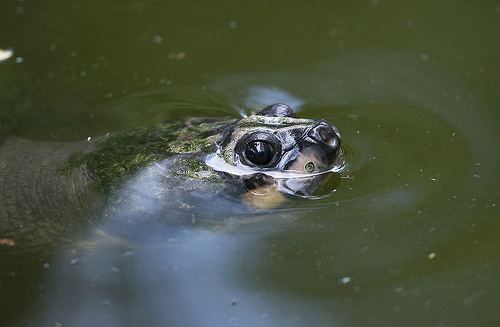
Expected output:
(410, 238)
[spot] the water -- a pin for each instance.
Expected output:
(408, 238)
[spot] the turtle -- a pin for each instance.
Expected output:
(175, 171)
(141, 188)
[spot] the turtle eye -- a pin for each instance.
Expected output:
(260, 153)
(258, 149)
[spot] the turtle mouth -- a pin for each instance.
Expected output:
(307, 183)
(303, 187)
(217, 163)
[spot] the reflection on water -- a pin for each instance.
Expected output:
(149, 263)
(258, 97)
(189, 281)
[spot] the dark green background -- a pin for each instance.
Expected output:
(412, 85)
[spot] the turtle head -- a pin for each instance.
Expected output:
(276, 153)
(275, 140)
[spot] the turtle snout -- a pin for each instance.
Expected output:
(324, 133)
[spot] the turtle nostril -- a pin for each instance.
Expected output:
(326, 134)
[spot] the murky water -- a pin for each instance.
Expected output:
(409, 238)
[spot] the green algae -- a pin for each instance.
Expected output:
(195, 169)
(192, 146)
(120, 155)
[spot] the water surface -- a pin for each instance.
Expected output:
(409, 237)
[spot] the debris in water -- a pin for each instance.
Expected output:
(431, 255)
(157, 39)
(115, 269)
(178, 55)
(233, 24)
(46, 265)
(7, 242)
(74, 261)
(6, 54)
(345, 280)
(19, 60)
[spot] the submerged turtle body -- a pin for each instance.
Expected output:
(153, 175)
(46, 189)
